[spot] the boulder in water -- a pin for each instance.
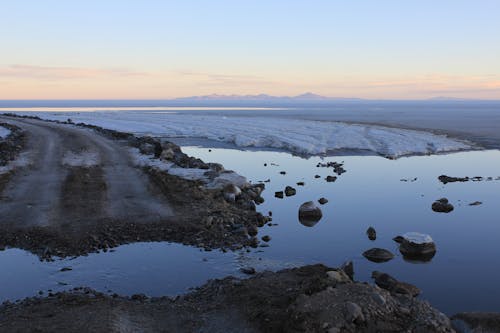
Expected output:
(309, 214)
(371, 233)
(417, 246)
(442, 206)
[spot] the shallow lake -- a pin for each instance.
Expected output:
(462, 276)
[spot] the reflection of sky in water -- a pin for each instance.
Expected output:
(370, 193)
(462, 276)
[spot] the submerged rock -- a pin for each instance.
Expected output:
(323, 201)
(371, 233)
(309, 214)
(378, 255)
(417, 246)
(442, 206)
(475, 203)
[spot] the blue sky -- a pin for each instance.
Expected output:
(162, 49)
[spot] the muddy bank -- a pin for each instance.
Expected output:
(81, 192)
(308, 299)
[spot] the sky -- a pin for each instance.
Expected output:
(154, 49)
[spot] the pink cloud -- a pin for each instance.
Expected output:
(63, 73)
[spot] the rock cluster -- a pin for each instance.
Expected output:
(446, 179)
(338, 168)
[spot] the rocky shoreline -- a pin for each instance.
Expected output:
(312, 298)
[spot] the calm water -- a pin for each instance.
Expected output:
(461, 277)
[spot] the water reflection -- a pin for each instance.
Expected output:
(423, 259)
(390, 206)
(467, 237)
(308, 222)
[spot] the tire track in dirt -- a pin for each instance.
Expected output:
(75, 177)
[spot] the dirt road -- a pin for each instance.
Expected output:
(75, 190)
(72, 175)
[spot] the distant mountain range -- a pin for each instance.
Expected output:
(264, 97)
(307, 97)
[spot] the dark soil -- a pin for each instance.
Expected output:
(305, 299)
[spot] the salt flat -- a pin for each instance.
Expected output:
(300, 136)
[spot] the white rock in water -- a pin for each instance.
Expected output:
(418, 238)
(417, 246)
